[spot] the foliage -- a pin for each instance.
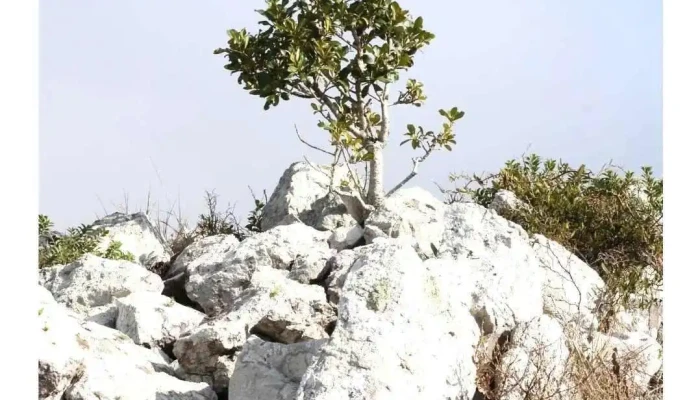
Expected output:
(611, 220)
(64, 249)
(343, 56)
(215, 222)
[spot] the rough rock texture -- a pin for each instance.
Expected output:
(570, 287)
(201, 256)
(82, 360)
(413, 214)
(346, 237)
(271, 371)
(302, 195)
(216, 286)
(398, 335)
(138, 235)
(218, 378)
(153, 319)
(535, 361)
(204, 251)
(275, 307)
(638, 355)
(505, 200)
(505, 271)
(91, 282)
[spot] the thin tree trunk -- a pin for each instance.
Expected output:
(375, 195)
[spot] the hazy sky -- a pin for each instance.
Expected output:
(132, 98)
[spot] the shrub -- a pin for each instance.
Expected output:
(64, 249)
(216, 222)
(611, 220)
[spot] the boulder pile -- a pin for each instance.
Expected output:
(418, 300)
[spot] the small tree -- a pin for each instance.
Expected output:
(343, 56)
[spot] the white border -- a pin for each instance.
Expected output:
(19, 197)
(681, 155)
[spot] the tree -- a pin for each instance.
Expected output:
(343, 56)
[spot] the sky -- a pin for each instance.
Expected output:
(135, 106)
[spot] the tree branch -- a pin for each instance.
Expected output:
(309, 144)
(417, 161)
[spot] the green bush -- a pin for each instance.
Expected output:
(216, 222)
(64, 249)
(611, 219)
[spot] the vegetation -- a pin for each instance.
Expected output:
(344, 57)
(611, 219)
(64, 249)
(216, 222)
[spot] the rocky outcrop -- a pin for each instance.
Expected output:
(91, 282)
(137, 235)
(304, 195)
(271, 371)
(82, 360)
(338, 300)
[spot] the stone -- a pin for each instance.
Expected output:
(412, 214)
(82, 360)
(346, 237)
(271, 371)
(154, 320)
(505, 200)
(91, 281)
(571, 287)
(506, 275)
(137, 235)
(216, 286)
(273, 306)
(398, 334)
(304, 194)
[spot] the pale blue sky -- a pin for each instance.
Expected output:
(128, 87)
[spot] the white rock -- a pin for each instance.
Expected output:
(273, 306)
(571, 287)
(302, 195)
(83, 360)
(398, 335)
(216, 286)
(204, 251)
(638, 354)
(536, 360)
(153, 319)
(218, 378)
(271, 371)
(346, 237)
(506, 277)
(138, 236)
(91, 282)
(505, 200)
(411, 213)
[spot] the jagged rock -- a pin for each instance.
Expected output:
(202, 255)
(506, 276)
(398, 334)
(82, 360)
(138, 236)
(153, 319)
(303, 195)
(273, 306)
(346, 237)
(91, 282)
(505, 200)
(308, 268)
(271, 371)
(204, 251)
(215, 287)
(412, 214)
(571, 287)
(535, 360)
(218, 379)
(103, 315)
(637, 355)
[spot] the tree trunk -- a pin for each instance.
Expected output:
(375, 192)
